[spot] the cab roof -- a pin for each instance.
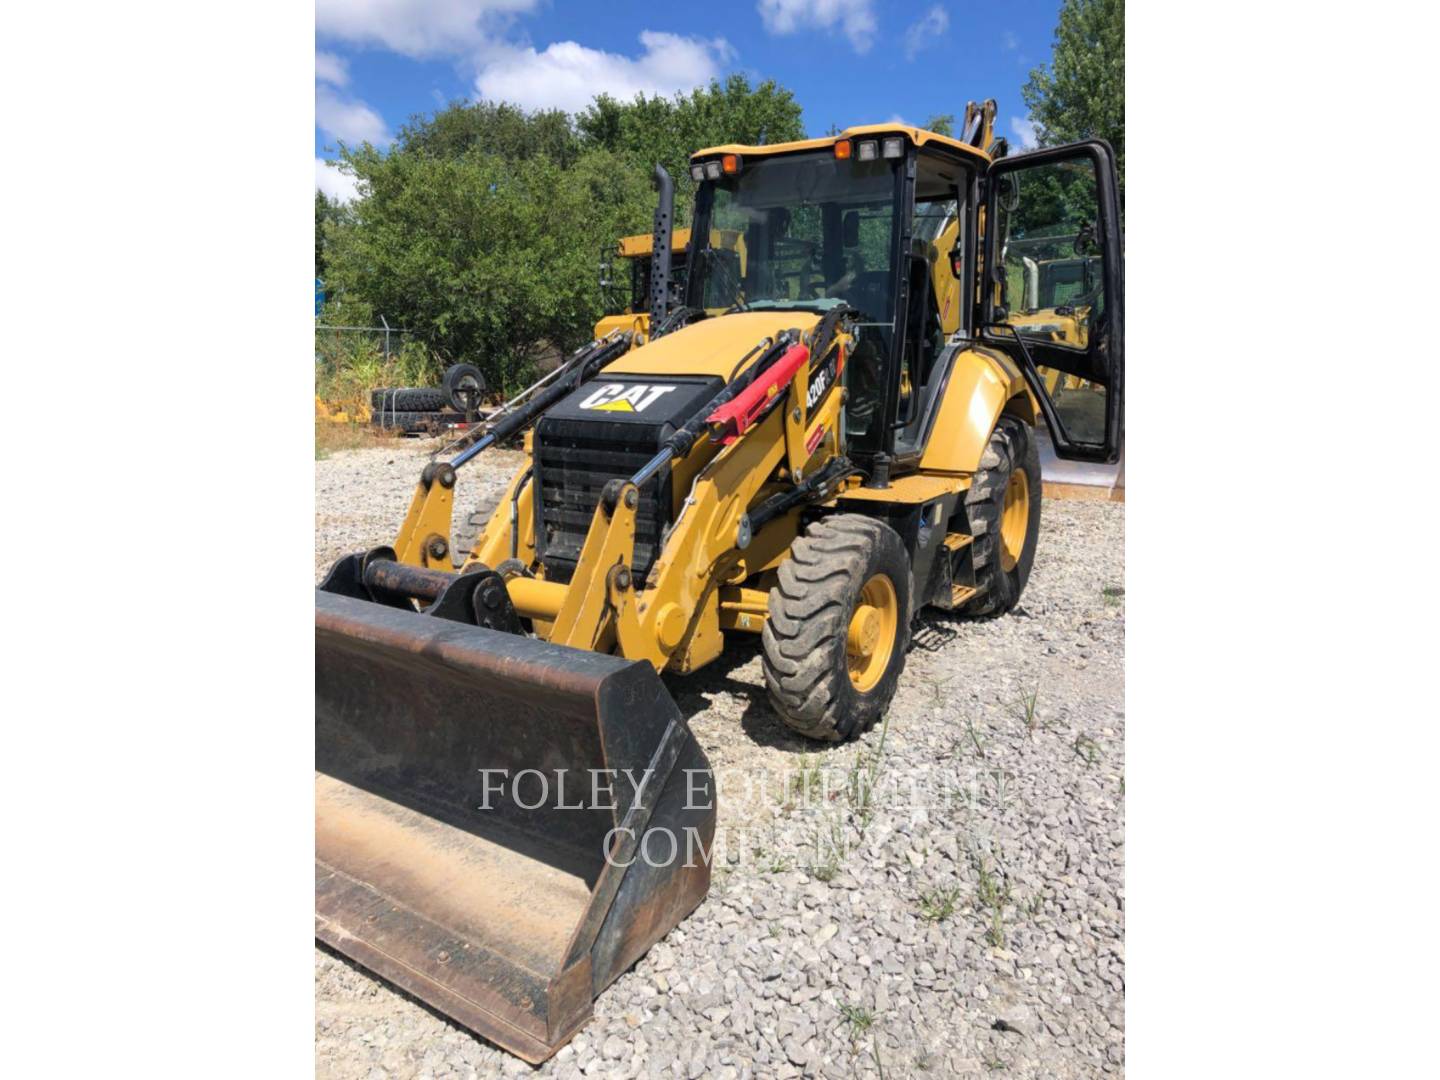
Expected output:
(917, 136)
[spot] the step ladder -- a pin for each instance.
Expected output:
(953, 543)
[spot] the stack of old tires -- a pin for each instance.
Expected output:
(417, 410)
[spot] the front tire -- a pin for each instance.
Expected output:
(1003, 507)
(834, 643)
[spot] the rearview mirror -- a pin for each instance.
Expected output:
(850, 228)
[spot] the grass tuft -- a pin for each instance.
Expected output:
(992, 895)
(830, 852)
(1025, 711)
(939, 905)
(1087, 748)
(859, 1018)
(806, 784)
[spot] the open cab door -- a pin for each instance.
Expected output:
(1053, 290)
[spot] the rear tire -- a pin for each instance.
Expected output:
(834, 644)
(1003, 507)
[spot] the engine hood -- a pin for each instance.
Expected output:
(711, 346)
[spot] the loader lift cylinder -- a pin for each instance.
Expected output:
(579, 368)
(679, 444)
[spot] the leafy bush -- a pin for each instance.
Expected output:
(481, 230)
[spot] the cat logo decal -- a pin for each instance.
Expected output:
(623, 397)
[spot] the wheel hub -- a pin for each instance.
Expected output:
(870, 637)
(864, 631)
(1014, 519)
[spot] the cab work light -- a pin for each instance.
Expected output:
(894, 147)
(712, 170)
(697, 173)
(842, 149)
(868, 150)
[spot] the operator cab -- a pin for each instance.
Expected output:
(890, 222)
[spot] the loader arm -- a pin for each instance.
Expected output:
(424, 537)
(601, 606)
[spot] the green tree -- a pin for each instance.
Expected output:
(1080, 94)
(326, 210)
(480, 230)
(485, 258)
(941, 124)
(495, 128)
(647, 130)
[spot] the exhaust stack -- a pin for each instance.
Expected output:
(660, 248)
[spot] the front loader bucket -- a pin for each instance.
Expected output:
(469, 785)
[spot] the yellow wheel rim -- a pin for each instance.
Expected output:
(870, 638)
(1014, 519)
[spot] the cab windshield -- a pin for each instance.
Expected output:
(816, 231)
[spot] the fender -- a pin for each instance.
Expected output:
(983, 384)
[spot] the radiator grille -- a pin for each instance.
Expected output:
(573, 467)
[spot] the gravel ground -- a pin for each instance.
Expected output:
(961, 914)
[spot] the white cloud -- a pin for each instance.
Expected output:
(855, 17)
(417, 28)
(333, 182)
(1024, 130)
(347, 119)
(331, 69)
(922, 33)
(567, 75)
(1009, 40)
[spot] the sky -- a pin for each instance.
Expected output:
(379, 62)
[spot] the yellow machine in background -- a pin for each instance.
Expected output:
(339, 414)
(627, 286)
(829, 427)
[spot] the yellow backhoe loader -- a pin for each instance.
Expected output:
(812, 445)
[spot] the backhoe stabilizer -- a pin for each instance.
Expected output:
(503, 826)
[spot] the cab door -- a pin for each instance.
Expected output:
(1052, 290)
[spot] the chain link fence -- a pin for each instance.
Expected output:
(387, 340)
(352, 361)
